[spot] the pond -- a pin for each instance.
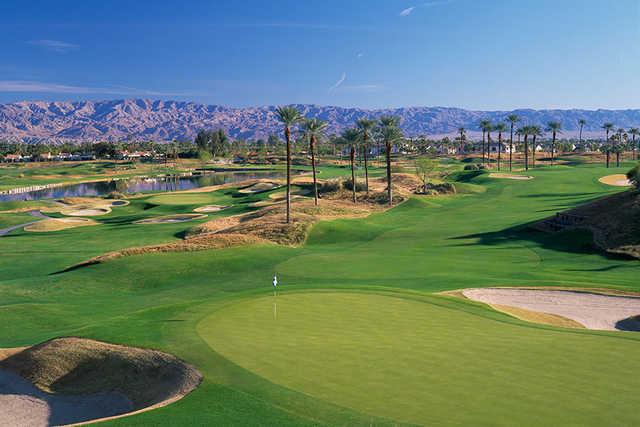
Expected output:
(140, 185)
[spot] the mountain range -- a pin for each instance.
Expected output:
(140, 119)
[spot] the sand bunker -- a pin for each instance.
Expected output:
(617, 180)
(74, 380)
(259, 187)
(593, 311)
(57, 224)
(170, 219)
(210, 208)
(88, 212)
(509, 176)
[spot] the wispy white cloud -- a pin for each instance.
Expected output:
(359, 55)
(339, 82)
(43, 87)
(55, 45)
(407, 11)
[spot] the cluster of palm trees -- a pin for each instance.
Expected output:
(385, 130)
(614, 139)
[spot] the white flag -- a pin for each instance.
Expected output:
(275, 281)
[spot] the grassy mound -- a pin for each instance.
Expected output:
(259, 187)
(57, 224)
(210, 208)
(613, 220)
(82, 366)
(501, 175)
(170, 219)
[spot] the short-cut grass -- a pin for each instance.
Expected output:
(427, 360)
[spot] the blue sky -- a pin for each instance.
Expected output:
(479, 54)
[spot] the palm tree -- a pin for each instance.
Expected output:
(389, 134)
(314, 129)
(289, 116)
(554, 128)
(512, 119)
(581, 123)
(366, 126)
(489, 129)
(462, 131)
(484, 124)
(535, 132)
(620, 145)
(352, 136)
(500, 128)
(526, 131)
(606, 149)
(634, 132)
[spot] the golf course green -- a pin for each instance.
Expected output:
(358, 334)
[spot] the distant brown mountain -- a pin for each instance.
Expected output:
(139, 119)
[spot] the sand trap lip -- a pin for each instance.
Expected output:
(170, 219)
(616, 180)
(259, 187)
(593, 311)
(57, 224)
(89, 212)
(211, 208)
(510, 176)
(113, 382)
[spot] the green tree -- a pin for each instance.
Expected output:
(424, 169)
(463, 137)
(484, 125)
(581, 123)
(500, 128)
(634, 176)
(554, 128)
(512, 119)
(634, 132)
(366, 127)
(314, 130)
(289, 117)
(390, 134)
(351, 137)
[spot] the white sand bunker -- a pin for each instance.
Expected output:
(259, 187)
(170, 219)
(509, 176)
(74, 380)
(617, 180)
(89, 212)
(211, 208)
(593, 311)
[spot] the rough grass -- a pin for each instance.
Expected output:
(82, 366)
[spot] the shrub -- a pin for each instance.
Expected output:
(330, 186)
(634, 176)
(471, 167)
(360, 186)
(115, 195)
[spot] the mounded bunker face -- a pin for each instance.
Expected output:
(500, 175)
(616, 180)
(171, 219)
(89, 212)
(57, 224)
(428, 360)
(593, 311)
(210, 208)
(74, 380)
(260, 187)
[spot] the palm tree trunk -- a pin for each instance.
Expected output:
(499, 148)
(608, 157)
(388, 155)
(553, 147)
(366, 165)
(511, 150)
(580, 138)
(353, 172)
(312, 145)
(489, 148)
(287, 134)
(533, 153)
(526, 152)
(484, 134)
(617, 157)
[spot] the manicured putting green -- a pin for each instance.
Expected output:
(429, 360)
